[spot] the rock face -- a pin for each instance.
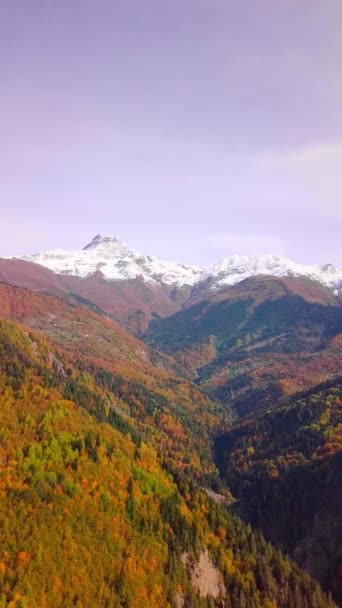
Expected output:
(205, 577)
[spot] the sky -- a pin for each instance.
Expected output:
(191, 129)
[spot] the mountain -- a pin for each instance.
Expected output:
(102, 469)
(257, 341)
(144, 378)
(236, 268)
(271, 349)
(131, 302)
(226, 337)
(285, 466)
(113, 437)
(117, 262)
(129, 287)
(133, 289)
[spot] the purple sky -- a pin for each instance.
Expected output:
(191, 129)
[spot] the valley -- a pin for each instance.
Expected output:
(179, 426)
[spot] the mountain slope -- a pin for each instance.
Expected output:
(27, 274)
(90, 518)
(256, 341)
(128, 371)
(285, 466)
(133, 288)
(130, 302)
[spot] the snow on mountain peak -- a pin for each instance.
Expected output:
(116, 261)
(236, 268)
(103, 242)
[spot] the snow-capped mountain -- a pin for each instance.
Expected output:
(116, 261)
(236, 268)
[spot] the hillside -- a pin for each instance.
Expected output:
(76, 493)
(131, 302)
(133, 288)
(285, 466)
(130, 371)
(256, 342)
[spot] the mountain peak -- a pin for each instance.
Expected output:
(116, 261)
(101, 239)
(235, 268)
(329, 268)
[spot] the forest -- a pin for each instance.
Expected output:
(285, 466)
(99, 509)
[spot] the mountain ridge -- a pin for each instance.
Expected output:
(262, 333)
(116, 261)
